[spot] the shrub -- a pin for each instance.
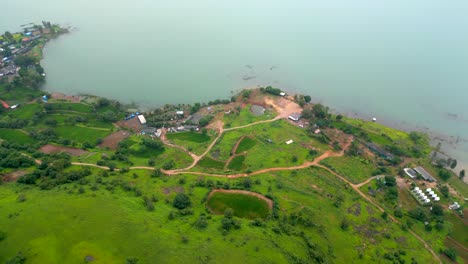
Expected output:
(181, 201)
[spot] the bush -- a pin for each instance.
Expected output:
(451, 253)
(3, 235)
(181, 201)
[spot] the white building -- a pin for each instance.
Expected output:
(142, 119)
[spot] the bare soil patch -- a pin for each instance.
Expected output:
(49, 149)
(269, 202)
(112, 141)
(71, 98)
(13, 176)
(133, 124)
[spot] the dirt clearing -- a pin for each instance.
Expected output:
(112, 141)
(49, 149)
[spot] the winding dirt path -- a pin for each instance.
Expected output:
(315, 162)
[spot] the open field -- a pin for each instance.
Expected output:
(80, 134)
(16, 135)
(244, 204)
(192, 141)
(265, 145)
(64, 225)
(49, 149)
(354, 169)
(75, 107)
(237, 163)
(19, 95)
(245, 117)
(26, 111)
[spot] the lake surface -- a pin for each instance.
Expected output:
(404, 62)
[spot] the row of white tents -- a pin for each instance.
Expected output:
(425, 197)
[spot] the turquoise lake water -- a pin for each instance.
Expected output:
(404, 62)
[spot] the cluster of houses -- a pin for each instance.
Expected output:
(425, 198)
(152, 131)
(7, 67)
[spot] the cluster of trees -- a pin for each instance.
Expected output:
(30, 74)
(302, 99)
(205, 120)
(271, 90)
(14, 159)
(318, 114)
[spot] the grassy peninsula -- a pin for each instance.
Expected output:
(262, 177)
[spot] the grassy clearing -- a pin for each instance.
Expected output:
(26, 111)
(194, 142)
(17, 136)
(189, 136)
(209, 163)
(245, 117)
(352, 168)
(63, 226)
(263, 153)
(80, 134)
(246, 144)
(237, 163)
(243, 205)
(19, 95)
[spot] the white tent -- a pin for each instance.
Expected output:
(427, 200)
(419, 191)
(437, 199)
(434, 195)
(428, 189)
(416, 188)
(431, 192)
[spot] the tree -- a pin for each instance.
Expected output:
(445, 191)
(451, 253)
(181, 201)
(132, 260)
(390, 181)
(201, 222)
(438, 210)
(453, 164)
(320, 111)
(307, 98)
(8, 36)
(462, 174)
(18, 259)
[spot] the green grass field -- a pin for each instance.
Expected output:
(243, 205)
(80, 134)
(264, 154)
(19, 95)
(26, 111)
(63, 226)
(75, 107)
(354, 169)
(245, 117)
(237, 163)
(17, 136)
(246, 144)
(189, 136)
(209, 163)
(194, 142)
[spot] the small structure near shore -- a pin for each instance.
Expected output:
(410, 172)
(295, 117)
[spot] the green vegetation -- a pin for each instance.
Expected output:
(192, 141)
(189, 136)
(244, 116)
(243, 205)
(210, 163)
(26, 111)
(75, 107)
(265, 145)
(355, 169)
(80, 134)
(16, 135)
(246, 144)
(237, 163)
